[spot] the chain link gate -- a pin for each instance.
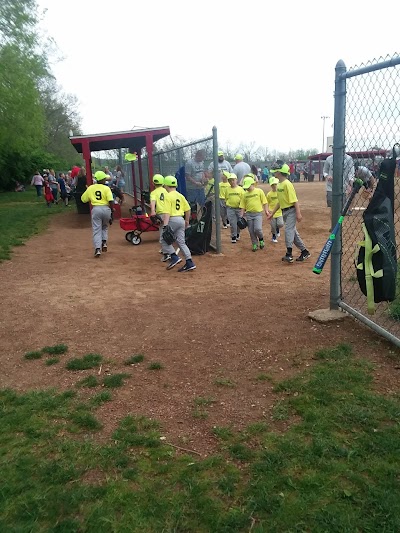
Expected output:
(367, 125)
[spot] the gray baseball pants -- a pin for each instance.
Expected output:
(223, 209)
(254, 221)
(101, 215)
(276, 224)
(291, 234)
(177, 225)
(233, 217)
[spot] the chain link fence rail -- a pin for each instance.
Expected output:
(367, 125)
(199, 156)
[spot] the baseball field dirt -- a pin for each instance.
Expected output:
(223, 335)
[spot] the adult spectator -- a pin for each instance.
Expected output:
(55, 188)
(38, 182)
(254, 171)
(241, 168)
(81, 180)
(265, 174)
(222, 164)
(292, 175)
(63, 188)
(120, 182)
(348, 176)
(195, 178)
(366, 176)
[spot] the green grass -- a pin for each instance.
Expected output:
(115, 380)
(58, 349)
(33, 355)
(90, 360)
(134, 359)
(21, 216)
(335, 469)
(89, 381)
(155, 366)
(224, 382)
(52, 361)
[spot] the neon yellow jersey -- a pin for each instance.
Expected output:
(272, 199)
(158, 196)
(233, 196)
(253, 201)
(223, 185)
(286, 194)
(97, 194)
(176, 204)
(210, 184)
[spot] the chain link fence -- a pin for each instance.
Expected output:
(198, 156)
(367, 119)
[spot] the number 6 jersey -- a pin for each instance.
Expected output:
(176, 204)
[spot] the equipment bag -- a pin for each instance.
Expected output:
(376, 263)
(198, 234)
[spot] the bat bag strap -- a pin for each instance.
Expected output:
(368, 268)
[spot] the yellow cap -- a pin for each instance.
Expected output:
(238, 157)
(284, 169)
(226, 173)
(131, 157)
(170, 181)
(220, 152)
(273, 181)
(100, 175)
(248, 182)
(232, 176)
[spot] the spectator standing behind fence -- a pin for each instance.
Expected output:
(222, 164)
(120, 183)
(38, 182)
(348, 175)
(241, 168)
(195, 178)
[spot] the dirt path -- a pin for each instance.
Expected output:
(214, 330)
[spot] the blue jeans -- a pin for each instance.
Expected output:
(54, 190)
(196, 196)
(38, 190)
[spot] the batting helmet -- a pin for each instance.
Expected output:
(158, 179)
(242, 223)
(170, 181)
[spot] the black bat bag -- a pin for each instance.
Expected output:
(377, 259)
(198, 234)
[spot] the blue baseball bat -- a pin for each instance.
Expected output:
(326, 250)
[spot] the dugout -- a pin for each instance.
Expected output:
(132, 140)
(373, 156)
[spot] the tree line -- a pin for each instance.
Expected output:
(35, 115)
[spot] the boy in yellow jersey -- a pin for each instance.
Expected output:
(157, 205)
(101, 198)
(254, 203)
(176, 207)
(233, 196)
(287, 201)
(223, 185)
(276, 221)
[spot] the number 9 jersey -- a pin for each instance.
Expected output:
(97, 194)
(176, 204)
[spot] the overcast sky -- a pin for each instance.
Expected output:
(260, 71)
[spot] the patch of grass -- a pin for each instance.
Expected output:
(203, 401)
(33, 355)
(21, 216)
(52, 361)
(58, 349)
(199, 413)
(335, 469)
(90, 360)
(224, 382)
(115, 380)
(155, 366)
(200, 404)
(100, 398)
(89, 381)
(134, 359)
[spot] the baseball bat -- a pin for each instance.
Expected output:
(326, 250)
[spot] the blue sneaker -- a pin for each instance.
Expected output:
(189, 265)
(175, 259)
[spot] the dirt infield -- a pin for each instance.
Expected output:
(225, 332)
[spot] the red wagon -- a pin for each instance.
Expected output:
(136, 225)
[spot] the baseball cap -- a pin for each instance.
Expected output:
(284, 169)
(131, 157)
(232, 176)
(226, 173)
(273, 181)
(220, 152)
(250, 175)
(170, 181)
(158, 179)
(100, 175)
(247, 182)
(239, 157)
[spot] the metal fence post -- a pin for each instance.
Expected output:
(216, 192)
(337, 184)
